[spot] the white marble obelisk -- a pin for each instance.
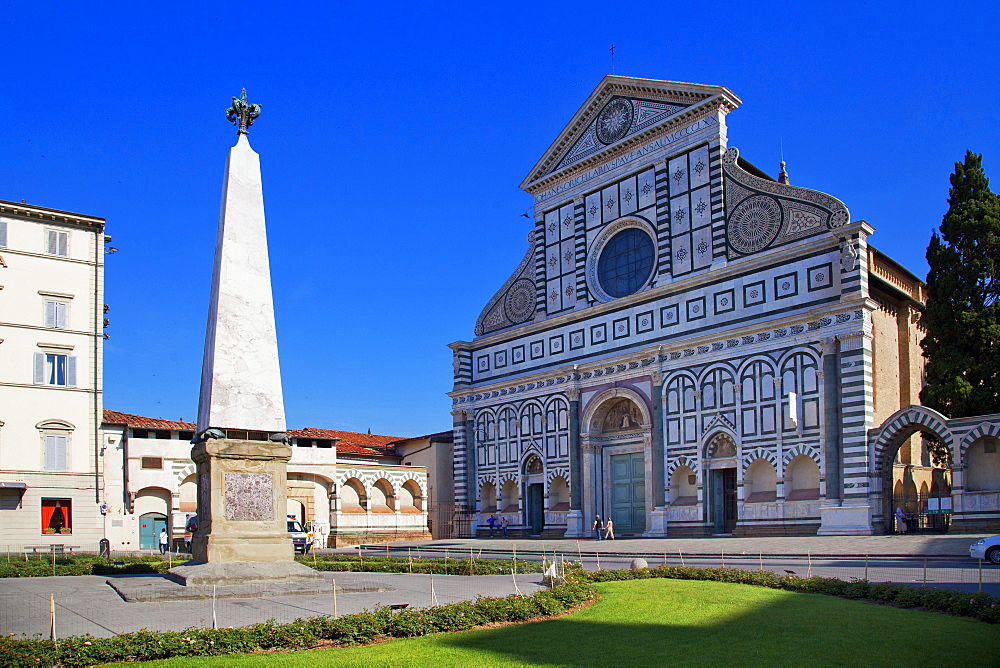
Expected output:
(240, 376)
(241, 451)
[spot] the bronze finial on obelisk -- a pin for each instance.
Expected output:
(242, 113)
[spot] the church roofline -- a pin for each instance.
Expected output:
(700, 97)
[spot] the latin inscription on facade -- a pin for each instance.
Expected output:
(249, 497)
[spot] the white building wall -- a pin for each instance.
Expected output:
(31, 275)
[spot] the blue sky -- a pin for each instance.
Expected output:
(392, 140)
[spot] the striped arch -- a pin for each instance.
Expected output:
(759, 453)
(810, 451)
(508, 475)
(984, 429)
(420, 483)
(185, 472)
(555, 473)
(679, 462)
(900, 426)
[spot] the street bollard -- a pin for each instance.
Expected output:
(333, 582)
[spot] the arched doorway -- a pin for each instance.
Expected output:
(619, 437)
(534, 485)
(913, 451)
(720, 459)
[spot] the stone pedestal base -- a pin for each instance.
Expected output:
(242, 532)
(657, 524)
(845, 521)
(240, 572)
(574, 525)
(242, 487)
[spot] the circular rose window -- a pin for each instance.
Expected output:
(626, 262)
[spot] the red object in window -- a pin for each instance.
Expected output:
(57, 516)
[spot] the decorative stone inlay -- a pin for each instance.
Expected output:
(671, 356)
(249, 497)
(615, 120)
(519, 303)
(754, 224)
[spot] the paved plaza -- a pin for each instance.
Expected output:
(926, 545)
(86, 604)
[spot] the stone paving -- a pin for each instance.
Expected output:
(86, 604)
(924, 545)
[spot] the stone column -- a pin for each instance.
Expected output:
(658, 518)
(575, 518)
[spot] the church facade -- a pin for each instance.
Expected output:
(688, 345)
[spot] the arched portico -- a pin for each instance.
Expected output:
(892, 482)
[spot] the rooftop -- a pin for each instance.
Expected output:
(349, 442)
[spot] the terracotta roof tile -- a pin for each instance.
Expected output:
(140, 422)
(371, 445)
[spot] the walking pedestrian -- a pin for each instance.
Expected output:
(491, 521)
(610, 529)
(598, 526)
(900, 520)
(503, 525)
(164, 540)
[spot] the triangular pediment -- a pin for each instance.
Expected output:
(622, 111)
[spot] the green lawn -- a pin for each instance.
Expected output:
(679, 622)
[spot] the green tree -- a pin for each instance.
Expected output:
(962, 345)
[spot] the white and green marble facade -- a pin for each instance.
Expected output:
(753, 328)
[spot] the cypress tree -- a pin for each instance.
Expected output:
(962, 345)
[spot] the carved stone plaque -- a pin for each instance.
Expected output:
(249, 497)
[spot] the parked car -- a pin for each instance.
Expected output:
(300, 539)
(987, 548)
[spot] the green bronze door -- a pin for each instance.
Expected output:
(628, 493)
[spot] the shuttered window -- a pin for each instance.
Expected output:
(54, 369)
(57, 243)
(56, 452)
(3, 233)
(152, 462)
(55, 314)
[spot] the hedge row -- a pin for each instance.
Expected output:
(338, 562)
(979, 606)
(301, 634)
(88, 564)
(80, 564)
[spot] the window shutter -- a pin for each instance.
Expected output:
(61, 314)
(50, 453)
(50, 314)
(39, 368)
(71, 371)
(60, 453)
(3, 232)
(63, 243)
(53, 242)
